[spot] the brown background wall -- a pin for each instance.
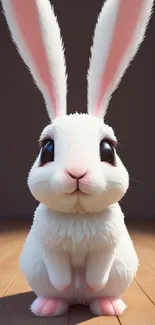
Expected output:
(22, 112)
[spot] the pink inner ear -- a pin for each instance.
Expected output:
(28, 21)
(128, 16)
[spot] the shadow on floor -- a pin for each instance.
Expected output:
(14, 310)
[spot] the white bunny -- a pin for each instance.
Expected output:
(78, 249)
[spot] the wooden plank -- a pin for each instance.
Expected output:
(10, 248)
(140, 309)
(19, 285)
(145, 246)
(101, 321)
(146, 280)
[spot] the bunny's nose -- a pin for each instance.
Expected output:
(76, 175)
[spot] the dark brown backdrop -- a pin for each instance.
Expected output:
(22, 113)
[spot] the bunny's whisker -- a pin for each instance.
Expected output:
(138, 181)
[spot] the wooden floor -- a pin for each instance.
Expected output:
(140, 298)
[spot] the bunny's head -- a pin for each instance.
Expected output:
(78, 169)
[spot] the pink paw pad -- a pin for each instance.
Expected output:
(107, 307)
(48, 307)
(94, 289)
(64, 289)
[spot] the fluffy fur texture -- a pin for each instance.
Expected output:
(36, 34)
(118, 34)
(79, 258)
(78, 249)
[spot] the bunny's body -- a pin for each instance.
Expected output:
(78, 237)
(78, 249)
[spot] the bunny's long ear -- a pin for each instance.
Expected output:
(36, 33)
(119, 31)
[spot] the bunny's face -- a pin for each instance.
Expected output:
(78, 169)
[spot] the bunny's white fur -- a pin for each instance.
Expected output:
(78, 239)
(59, 244)
(52, 47)
(102, 41)
(78, 249)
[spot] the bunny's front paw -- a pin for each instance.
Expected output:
(63, 288)
(98, 269)
(94, 285)
(95, 288)
(49, 307)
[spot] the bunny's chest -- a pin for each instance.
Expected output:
(77, 235)
(78, 239)
(78, 259)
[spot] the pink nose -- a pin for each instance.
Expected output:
(76, 175)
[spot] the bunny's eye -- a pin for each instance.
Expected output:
(107, 153)
(47, 152)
